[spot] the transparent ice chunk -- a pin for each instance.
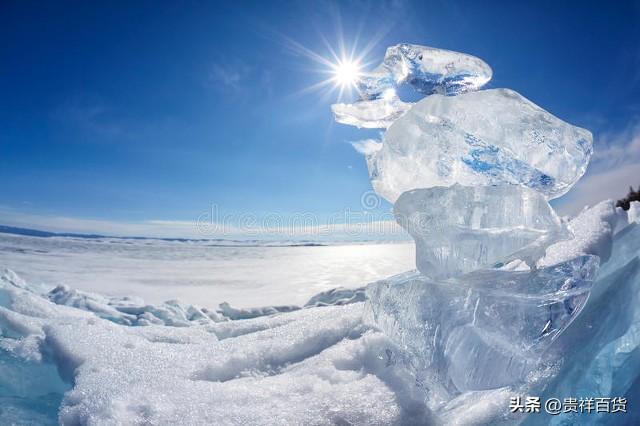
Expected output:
(371, 114)
(490, 137)
(459, 229)
(484, 330)
(428, 70)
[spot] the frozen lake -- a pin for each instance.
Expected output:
(201, 273)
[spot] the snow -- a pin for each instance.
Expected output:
(593, 231)
(310, 366)
(634, 212)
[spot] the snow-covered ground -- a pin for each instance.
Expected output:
(201, 273)
(73, 357)
(70, 356)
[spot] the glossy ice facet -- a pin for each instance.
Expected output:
(491, 137)
(426, 69)
(371, 114)
(459, 229)
(487, 330)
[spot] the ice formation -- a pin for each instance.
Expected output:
(569, 328)
(502, 282)
(426, 69)
(490, 137)
(459, 229)
(488, 330)
(372, 114)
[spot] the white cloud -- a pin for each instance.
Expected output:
(614, 166)
(169, 229)
(367, 146)
(274, 227)
(227, 76)
(594, 187)
(615, 149)
(92, 116)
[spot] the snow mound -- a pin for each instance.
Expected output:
(307, 365)
(593, 231)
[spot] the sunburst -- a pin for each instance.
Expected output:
(342, 68)
(346, 73)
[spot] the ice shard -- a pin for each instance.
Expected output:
(459, 229)
(487, 330)
(490, 137)
(428, 70)
(371, 114)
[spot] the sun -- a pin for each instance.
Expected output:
(346, 73)
(343, 70)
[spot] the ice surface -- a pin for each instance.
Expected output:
(490, 137)
(235, 314)
(201, 273)
(459, 229)
(485, 331)
(428, 70)
(133, 311)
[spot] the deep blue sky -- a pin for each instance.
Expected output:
(132, 111)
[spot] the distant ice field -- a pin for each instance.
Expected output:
(201, 273)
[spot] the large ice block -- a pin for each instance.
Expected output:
(486, 330)
(490, 137)
(459, 229)
(426, 69)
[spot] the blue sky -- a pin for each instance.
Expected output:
(137, 117)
